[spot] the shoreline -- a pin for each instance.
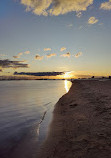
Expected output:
(81, 125)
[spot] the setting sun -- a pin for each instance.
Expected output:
(68, 75)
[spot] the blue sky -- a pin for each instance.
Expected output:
(22, 31)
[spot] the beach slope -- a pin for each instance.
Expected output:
(81, 125)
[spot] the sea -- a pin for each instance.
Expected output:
(26, 111)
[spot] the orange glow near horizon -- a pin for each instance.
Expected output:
(68, 75)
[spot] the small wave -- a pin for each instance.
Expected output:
(38, 128)
(47, 104)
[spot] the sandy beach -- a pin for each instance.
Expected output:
(81, 125)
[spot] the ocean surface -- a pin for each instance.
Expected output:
(25, 114)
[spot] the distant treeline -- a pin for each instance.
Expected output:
(39, 73)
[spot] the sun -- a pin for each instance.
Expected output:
(68, 75)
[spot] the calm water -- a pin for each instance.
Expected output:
(22, 106)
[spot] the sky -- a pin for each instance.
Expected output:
(55, 35)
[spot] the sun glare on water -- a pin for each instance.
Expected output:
(67, 85)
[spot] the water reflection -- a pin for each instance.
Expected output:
(22, 105)
(67, 85)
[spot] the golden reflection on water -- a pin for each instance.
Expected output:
(67, 85)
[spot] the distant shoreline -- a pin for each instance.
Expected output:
(15, 79)
(81, 125)
(28, 79)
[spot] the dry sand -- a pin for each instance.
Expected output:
(81, 126)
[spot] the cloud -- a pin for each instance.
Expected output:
(19, 54)
(24, 61)
(66, 55)
(78, 14)
(55, 7)
(16, 57)
(51, 55)
(106, 5)
(38, 57)
(62, 49)
(92, 20)
(12, 64)
(27, 52)
(47, 49)
(78, 54)
(39, 73)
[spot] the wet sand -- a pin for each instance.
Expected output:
(81, 125)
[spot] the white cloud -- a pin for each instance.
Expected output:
(62, 49)
(51, 55)
(55, 7)
(106, 5)
(78, 14)
(92, 20)
(66, 55)
(38, 57)
(27, 52)
(78, 54)
(47, 49)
